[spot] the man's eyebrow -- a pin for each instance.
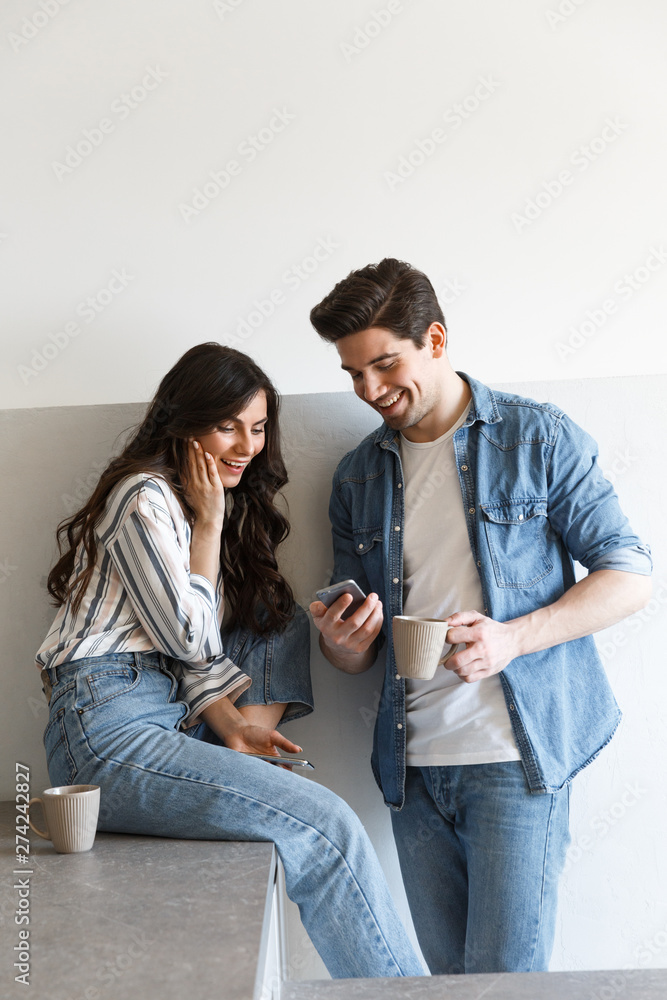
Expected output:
(381, 357)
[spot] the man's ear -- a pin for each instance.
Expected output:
(436, 336)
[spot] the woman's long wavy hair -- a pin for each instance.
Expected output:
(208, 386)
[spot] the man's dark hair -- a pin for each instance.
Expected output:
(392, 295)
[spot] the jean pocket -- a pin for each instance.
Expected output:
(110, 682)
(517, 533)
(59, 760)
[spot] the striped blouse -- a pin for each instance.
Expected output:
(142, 597)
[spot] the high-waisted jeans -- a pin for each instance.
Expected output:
(115, 722)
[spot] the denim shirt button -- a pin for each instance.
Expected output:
(511, 708)
(400, 725)
(395, 580)
(398, 677)
(464, 468)
(397, 527)
(400, 486)
(361, 545)
(471, 510)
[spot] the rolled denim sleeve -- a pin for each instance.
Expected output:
(636, 559)
(584, 507)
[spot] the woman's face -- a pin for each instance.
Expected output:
(235, 442)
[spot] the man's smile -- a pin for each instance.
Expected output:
(391, 400)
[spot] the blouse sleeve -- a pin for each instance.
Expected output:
(177, 609)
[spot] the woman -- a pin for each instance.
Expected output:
(177, 644)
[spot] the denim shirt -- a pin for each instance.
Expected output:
(535, 500)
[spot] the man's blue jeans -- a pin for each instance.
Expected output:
(114, 722)
(481, 857)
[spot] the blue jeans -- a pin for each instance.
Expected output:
(114, 722)
(481, 857)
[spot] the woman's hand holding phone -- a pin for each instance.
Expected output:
(253, 739)
(245, 737)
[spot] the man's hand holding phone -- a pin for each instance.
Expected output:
(348, 642)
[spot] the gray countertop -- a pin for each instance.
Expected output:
(136, 916)
(171, 919)
(628, 984)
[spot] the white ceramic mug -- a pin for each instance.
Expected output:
(70, 812)
(420, 645)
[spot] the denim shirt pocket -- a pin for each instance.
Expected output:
(517, 536)
(368, 547)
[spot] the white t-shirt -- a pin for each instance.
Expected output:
(448, 721)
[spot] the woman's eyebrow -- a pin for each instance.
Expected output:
(235, 420)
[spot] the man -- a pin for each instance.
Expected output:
(473, 505)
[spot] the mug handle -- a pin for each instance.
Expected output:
(450, 652)
(46, 836)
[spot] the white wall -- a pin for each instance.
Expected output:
(219, 69)
(544, 298)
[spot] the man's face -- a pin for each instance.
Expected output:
(392, 375)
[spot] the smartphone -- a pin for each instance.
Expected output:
(330, 595)
(286, 761)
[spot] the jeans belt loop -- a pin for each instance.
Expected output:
(47, 686)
